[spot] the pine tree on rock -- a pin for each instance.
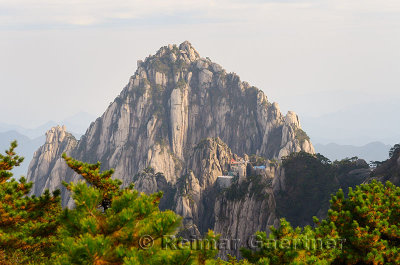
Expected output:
(101, 181)
(130, 229)
(27, 224)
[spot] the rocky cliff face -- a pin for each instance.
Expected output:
(243, 209)
(388, 170)
(47, 160)
(186, 117)
(235, 211)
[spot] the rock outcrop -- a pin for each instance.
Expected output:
(186, 117)
(388, 170)
(242, 210)
(47, 160)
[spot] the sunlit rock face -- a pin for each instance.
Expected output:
(186, 117)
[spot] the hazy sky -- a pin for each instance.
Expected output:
(60, 57)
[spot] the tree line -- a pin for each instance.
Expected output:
(113, 225)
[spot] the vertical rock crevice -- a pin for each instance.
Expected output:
(186, 117)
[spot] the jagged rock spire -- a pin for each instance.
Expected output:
(174, 101)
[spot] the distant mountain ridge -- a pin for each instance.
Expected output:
(76, 123)
(31, 133)
(374, 151)
(30, 139)
(356, 125)
(26, 148)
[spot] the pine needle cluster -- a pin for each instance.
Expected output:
(28, 224)
(121, 226)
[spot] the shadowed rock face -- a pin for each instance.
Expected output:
(161, 119)
(388, 170)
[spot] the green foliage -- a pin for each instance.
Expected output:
(395, 150)
(27, 224)
(207, 248)
(141, 89)
(361, 229)
(102, 181)
(181, 84)
(162, 142)
(301, 135)
(108, 225)
(347, 164)
(149, 169)
(130, 230)
(274, 162)
(157, 93)
(253, 186)
(178, 163)
(231, 261)
(159, 65)
(250, 96)
(205, 142)
(369, 220)
(111, 225)
(256, 160)
(310, 179)
(179, 66)
(90, 236)
(389, 170)
(287, 245)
